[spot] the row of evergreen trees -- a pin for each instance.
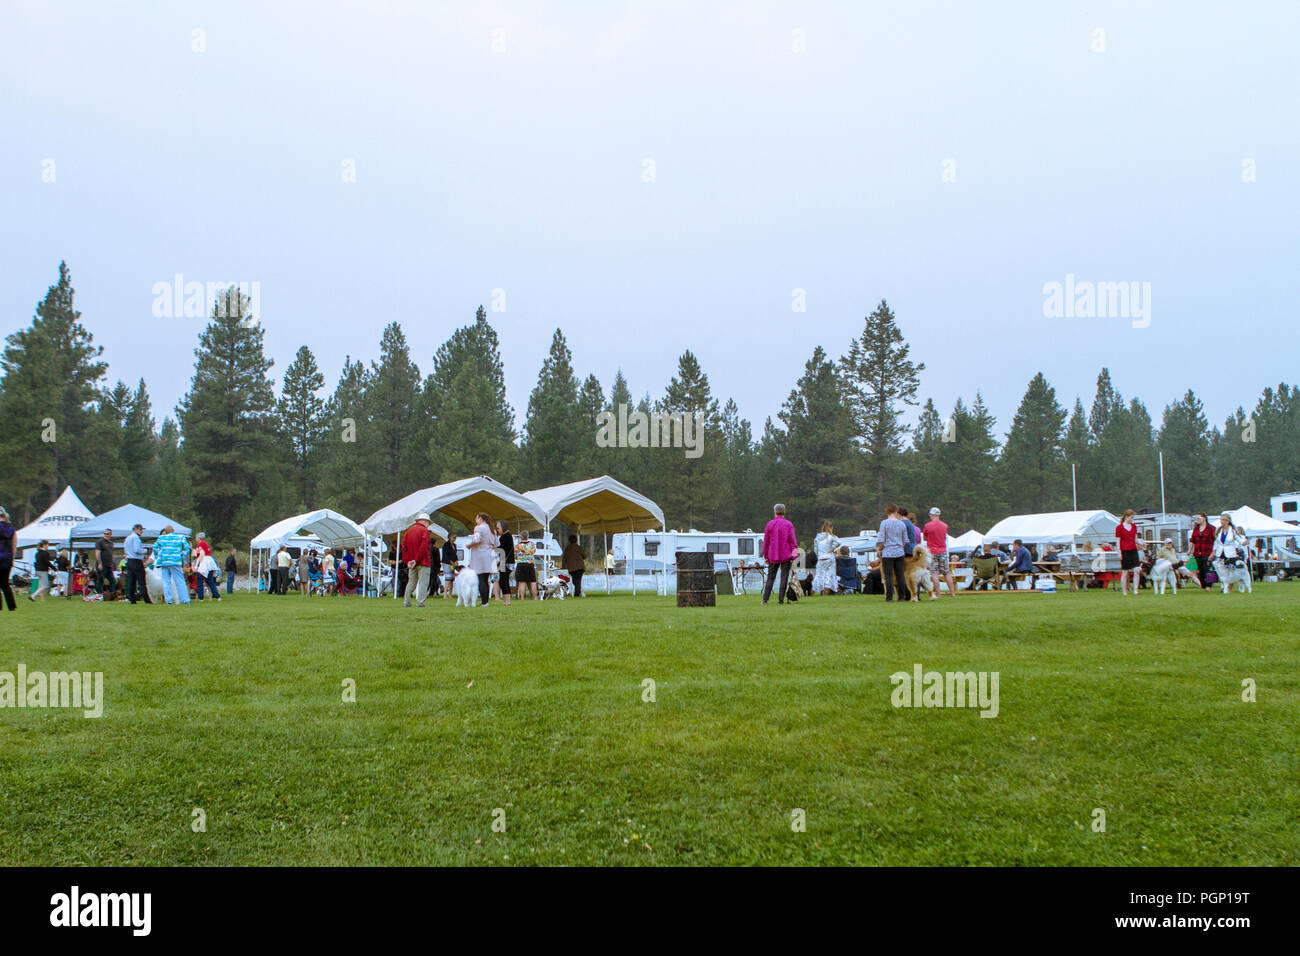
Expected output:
(237, 456)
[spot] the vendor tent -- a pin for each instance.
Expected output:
(121, 521)
(59, 518)
(461, 500)
(598, 505)
(1056, 527)
(329, 529)
(1256, 524)
(966, 542)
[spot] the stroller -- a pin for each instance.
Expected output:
(556, 586)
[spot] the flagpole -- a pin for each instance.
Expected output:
(1074, 487)
(1162, 483)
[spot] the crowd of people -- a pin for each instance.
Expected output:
(502, 564)
(993, 568)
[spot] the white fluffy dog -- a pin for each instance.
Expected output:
(1162, 572)
(466, 588)
(1229, 575)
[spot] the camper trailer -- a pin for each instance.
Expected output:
(1286, 507)
(650, 551)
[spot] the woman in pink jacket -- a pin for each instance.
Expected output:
(779, 548)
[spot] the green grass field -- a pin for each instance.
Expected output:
(1130, 705)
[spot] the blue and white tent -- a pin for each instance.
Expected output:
(120, 521)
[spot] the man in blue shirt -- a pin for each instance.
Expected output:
(912, 532)
(1021, 563)
(136, 554)
(170, 552)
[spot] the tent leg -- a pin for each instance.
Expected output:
(396, 559)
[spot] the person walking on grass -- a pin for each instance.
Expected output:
(170, 552)
(415, 555)
(1130, 563)
(105, 583)
(891, 541)
(6, 559)
(136, 555)
(826, 581)
(1202, 542)
(779, 549)
(232, 567)
(449, 561)
(574, 560)
(481, 550)
(506, 542)
(935, 533)
(205, 571)
(44, 567)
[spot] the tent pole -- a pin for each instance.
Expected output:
(633, 537)
(604, 540)
(396, 559)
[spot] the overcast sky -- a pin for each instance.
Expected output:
(1115, 156)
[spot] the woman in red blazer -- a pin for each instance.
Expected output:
(1130, 556)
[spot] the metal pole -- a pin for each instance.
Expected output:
(1074, 487)
(1162, 483)
(397, 558)
(632, 535)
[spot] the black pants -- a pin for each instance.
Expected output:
(135, 581)
(281, 585)
(104, 580)
(577, 582)
(1202, 568)
(484, 586)
(784, 567)
(891, 569)
(6, 566)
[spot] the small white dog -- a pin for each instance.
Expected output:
(1162, 572)
(1229, 575)
(466, 588)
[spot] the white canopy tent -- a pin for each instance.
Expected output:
(1056, 527)
(461, 500)
(1256, 524)
(324, 529)
(965, 542)
(55, 523)
(599, 506)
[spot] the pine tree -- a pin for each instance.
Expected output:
(226, 419)
(1185, 443)
(591, 402)
(49, 395)
(393, 431)
(472, 428)
(556, 442)
(300, 415)
(1033, 472)
(690, 487)
(140, 446)
(880, 381)
(1077, 448)
(818, 447)
(350, 476)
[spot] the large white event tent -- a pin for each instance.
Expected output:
(55, 523)
(1056, 527)
(598, 506)
(322, 528)
(1256, 524)
(461, 500)
(965, 542)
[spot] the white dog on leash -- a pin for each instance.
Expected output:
(466, 588)
(1230, 575)
(1163, 573)
(556, 586)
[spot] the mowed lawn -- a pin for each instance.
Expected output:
(1133, 706)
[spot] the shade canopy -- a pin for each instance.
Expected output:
(322, 528)
(59, 518)
(1055, 527)
(597, 505)
(461, 500)
(966, 542)
(120, 521)
(1256, 524)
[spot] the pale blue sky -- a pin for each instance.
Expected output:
(522, 170)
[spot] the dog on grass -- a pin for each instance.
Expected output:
(465, 588)
(1232, 571)
(1163, 573)
(916, 572)
(556, 586)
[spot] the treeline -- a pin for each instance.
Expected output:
(237, 454)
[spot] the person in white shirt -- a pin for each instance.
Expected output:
(1229, 543)
(824, 546)
(205, 569)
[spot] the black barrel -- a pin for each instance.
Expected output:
(695, 584)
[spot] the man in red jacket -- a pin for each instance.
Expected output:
(415, 553)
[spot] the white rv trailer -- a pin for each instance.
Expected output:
(652, 551)
(1286, 507)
